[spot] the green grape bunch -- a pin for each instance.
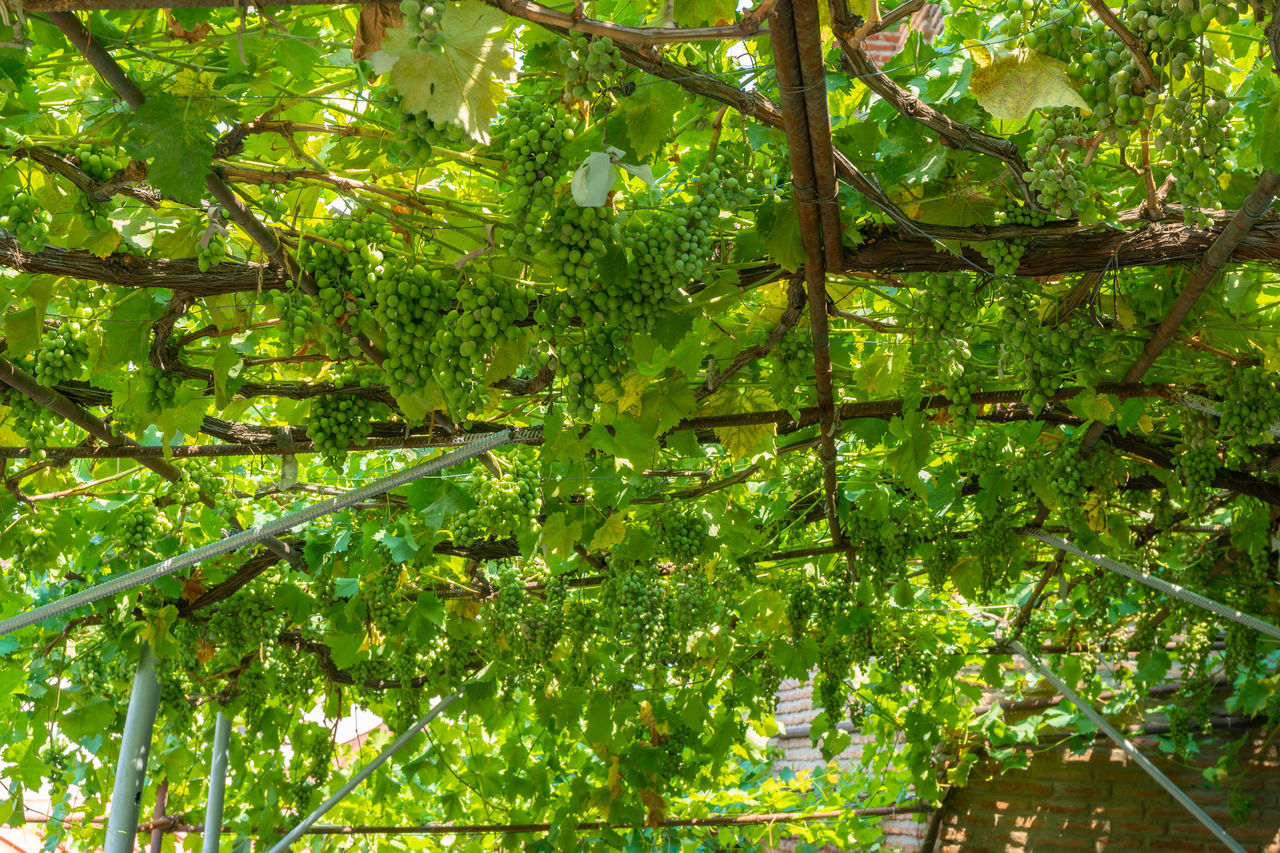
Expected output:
(419, 137)
(505, 506)
(98, 163)
(139, 528)
(422, 21)
(337, 421)
(33, 423)
(588, 63)
(212, 252)
(1053, 171)
(531, 137)
(62, 355)
(682, 532)
(159, 387)
(23, 216)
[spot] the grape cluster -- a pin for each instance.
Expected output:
(62, 355)
(1052, 166)
(410, 304)
(33, 423)
(994, 543)
(505, 506)
(159, 387)
(99, 163)
(1194, 140)
(1039, 355)
(940, 559)
(682, 532)
(1196, 464)
(418, 137)
(1005, 255)
(22, 215)
(346, 260)
(801, 602)
(1249, 407)
(337, 421)
(422, 23)
(793, 360)
(486, 319)
(313, 766)
(633, 597)
(946, 307)
(378, 591)
(532, 136)
(138, 527)
(587, 63)
(882, 547)
(212, 252)
(244, 622)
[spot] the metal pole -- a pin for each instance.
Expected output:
(1148, 579)
(135, 746)
(217, 784)
(1130, 750)
(119, 583)
(351, 784)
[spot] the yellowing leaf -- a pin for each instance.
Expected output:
(463, 83)
(747, 442)
(1009, 85)
(633, 388)
(610, 533)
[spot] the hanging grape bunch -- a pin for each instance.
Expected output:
(1194, 139)
(346, 259)
(159, 387)
(99, 163)
(1052, 171)
(587, 63)
(1196, 464)
(1249, 408)
(633, 596)
(881, 545)
(138, 528)
(30, 420)
(489, 309)
(335, 422)
(311, 768)
(422, 23)
(682, 532)
(410, 303)
(244, 622)
(505, 506)
(62, 355)
(22, 215)
(379, 593)
(1004, 255)
(531, 135)
(419, 137)
(212, 251)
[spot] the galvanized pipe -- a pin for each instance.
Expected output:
(217, 784)
(135, 747)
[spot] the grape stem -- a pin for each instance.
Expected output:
(1135, 45)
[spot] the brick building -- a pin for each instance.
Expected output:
(1071, 800)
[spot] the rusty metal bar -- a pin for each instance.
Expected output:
(795, 122)
(808, 34)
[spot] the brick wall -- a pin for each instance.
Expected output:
(928, 21)
(1071, 800)
(1101, 800)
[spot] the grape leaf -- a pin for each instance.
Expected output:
(462, 84)
(178, 142)
(1009, 85)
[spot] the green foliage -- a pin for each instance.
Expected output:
(626, 593)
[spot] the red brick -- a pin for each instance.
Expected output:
(1109, 844)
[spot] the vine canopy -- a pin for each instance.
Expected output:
(801, 349)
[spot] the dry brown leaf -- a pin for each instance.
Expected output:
(189, 36)
(193, 587)
(205, 651)
(655, 804)
(375, 20)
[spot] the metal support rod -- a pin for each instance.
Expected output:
(135, 747)
(1130, 750)
(1170, 589)
(147, 574)
(162, 802)
(217, 784)
(364, 773)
